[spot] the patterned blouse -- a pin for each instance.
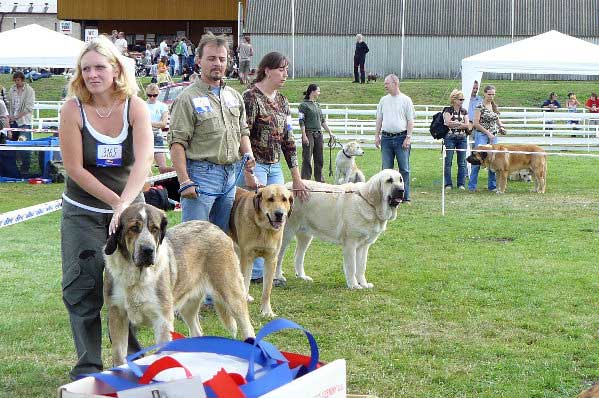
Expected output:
(456, 116)
(269, 122)
(488, 119)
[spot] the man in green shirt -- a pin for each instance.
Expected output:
(208, 130)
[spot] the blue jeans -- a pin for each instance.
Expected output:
(481, 139)
(391, 149)
(211, 178)
(267, 174)
(455, 142)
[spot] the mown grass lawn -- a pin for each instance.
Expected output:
(496, 299)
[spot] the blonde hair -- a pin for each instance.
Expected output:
(124, 84)
(152, 87)
(455, 95)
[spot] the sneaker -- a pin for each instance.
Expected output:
(448, 187)
(493, 190)
(463, 188)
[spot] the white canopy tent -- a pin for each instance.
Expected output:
(548, 53)
(34, 45)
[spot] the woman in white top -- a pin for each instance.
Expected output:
(159, 118)
(107, 150)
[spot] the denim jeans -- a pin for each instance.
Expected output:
(215, 178)
(455, 142)
(391, 149)
(481, 139)
(267, 174)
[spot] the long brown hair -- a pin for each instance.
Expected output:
(272, 60)
(493, 105)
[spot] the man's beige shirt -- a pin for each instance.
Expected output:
(207, 126)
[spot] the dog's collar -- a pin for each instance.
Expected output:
(346, 155)
(366, 200)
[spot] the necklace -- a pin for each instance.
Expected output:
(106, 115)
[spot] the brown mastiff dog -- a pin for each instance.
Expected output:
(504, 163)
(256, 225)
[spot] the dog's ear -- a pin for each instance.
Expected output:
(113, 240)
(290, 206)
(163, 224)
(257, 200)
(483, 155)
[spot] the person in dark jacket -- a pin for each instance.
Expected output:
(360, 59)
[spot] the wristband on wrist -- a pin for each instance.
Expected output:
(185, 182)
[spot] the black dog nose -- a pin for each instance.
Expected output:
(147, 251)
(279, 215)
(473, 160)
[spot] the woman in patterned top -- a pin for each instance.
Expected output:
(487, 125)
(456, 118)
(269, 121)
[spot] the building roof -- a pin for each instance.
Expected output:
(423, 17)
(28, 7)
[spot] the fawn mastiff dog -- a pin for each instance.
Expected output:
(151, 272)
(256, 225)
(351, 215)
(504, 163)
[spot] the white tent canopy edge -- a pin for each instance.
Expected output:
(548, 53)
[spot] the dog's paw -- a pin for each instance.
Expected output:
(250, 299)
(281, 278)
(305, 277)
(354, 286)
(268, 313)
(366, 285)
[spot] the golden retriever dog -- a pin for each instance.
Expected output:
(151, 272)
(505, 163)
(346, 169)
(353, 216)
(256, 225)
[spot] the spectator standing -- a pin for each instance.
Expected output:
(592, 105)
(114, 36)
(106, 145)
(550, 105)
(312, 122)
(163, 48)
(21, 98)
(159, 118)
(121, 43)
(4, 123)
(269, 122)
(572, 104)
(173, 63)
(456, 119)
(475, 100)
(487, 125)
(191, 54)
(245, 53)
(182, 53)
(208, 131)
(360, 59)
(395, 116)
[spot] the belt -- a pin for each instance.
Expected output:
(389, 134)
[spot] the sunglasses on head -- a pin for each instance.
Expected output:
(152, 95)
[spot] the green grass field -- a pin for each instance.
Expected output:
(496, 299)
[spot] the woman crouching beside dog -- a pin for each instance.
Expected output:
(107, 148)
(269, 121)
(486, 127)
(456, 119)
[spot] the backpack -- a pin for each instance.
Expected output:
(438, 128)
(179, 48)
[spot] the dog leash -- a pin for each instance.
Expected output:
(244, 160)
(332, 144)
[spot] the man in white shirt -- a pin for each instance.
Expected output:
(121, 43)
(163, 48)
(395, 116)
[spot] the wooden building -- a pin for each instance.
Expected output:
(150, 21)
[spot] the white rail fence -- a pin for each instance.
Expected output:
(357, 122)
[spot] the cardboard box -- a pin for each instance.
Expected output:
(328, 381)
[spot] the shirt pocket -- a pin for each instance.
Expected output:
(234, 114)
(208, 123)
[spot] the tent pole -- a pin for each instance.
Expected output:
(512, 76)
(293, 39)
(403, 22)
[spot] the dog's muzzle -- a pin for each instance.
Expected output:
(145, 256)
(396, 197)
(277, 220)
(473, 160)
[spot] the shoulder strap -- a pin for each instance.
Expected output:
(82, 113)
